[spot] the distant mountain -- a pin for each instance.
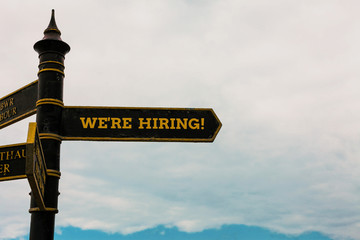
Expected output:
(226, 232)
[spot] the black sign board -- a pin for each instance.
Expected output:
(139, 124)
(19, 104)
(35, 165)
(12, 161)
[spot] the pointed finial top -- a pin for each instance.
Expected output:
(52, 31)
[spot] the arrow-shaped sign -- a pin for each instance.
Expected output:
(139, 124)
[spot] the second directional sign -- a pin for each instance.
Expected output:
(139, 124)
(19, 104)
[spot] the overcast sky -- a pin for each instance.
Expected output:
(282, 76)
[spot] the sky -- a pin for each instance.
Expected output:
(282, 76)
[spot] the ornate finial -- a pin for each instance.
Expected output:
(52, 40)
(52, 31)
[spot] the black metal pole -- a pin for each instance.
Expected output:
(51, 50)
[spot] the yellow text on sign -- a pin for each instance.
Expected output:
(7, 109)
(4, 168)
(6, 103)
(8, 156)
(143, 123)
(106, 122)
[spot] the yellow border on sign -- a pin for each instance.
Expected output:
(140, 139)
(31, 133)
(12, 178)
(147, 139)
(13, 145)
(18, 118)
(139, 108)
(18, 90)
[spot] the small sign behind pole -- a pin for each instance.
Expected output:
(35, 166)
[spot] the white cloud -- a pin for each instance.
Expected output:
(14, 200)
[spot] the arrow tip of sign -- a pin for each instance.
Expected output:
(219, 124)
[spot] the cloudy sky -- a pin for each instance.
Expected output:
(283, 77)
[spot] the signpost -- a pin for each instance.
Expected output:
(39, 158)
(139, 124)
(35, 166)
(19, 104)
